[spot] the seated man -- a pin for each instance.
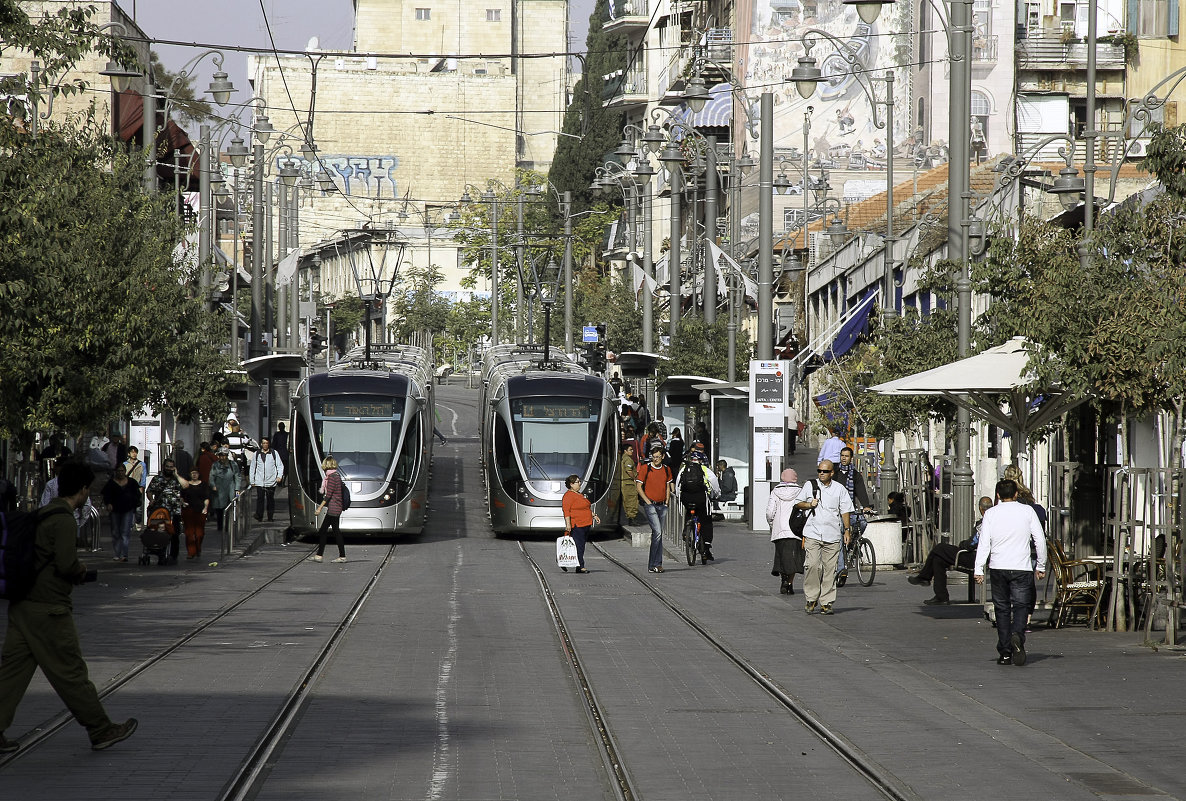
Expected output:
(943, 556)
(728, 481)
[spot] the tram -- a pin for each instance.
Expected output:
(376, 419)
(540, 423)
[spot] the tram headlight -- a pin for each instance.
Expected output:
(521, 493)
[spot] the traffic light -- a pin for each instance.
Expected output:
(316, 344)
(597, 360)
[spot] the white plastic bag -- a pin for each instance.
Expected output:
(566, 552)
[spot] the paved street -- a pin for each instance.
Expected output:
(451, 682)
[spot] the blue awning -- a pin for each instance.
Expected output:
(717, 112)
(851, 332)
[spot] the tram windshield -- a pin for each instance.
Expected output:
(555, 435)
(360, 431)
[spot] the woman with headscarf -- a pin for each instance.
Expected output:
(788, 548)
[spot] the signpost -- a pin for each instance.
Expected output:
(769, 394)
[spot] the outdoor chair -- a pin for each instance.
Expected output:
(1078, 585)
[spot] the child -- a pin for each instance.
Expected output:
(578, 517)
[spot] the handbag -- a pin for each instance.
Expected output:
(566, 552)
(799, 516)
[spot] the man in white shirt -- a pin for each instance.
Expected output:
(830, 506)
(1005, 536)
(830, 449)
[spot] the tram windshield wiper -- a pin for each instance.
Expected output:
(535, 463)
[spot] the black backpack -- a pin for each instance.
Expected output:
(345, 493)
(799, 516)
(691, 482)
(18, 558)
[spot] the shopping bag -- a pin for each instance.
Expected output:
(566, 552)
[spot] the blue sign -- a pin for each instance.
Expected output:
(589, 333)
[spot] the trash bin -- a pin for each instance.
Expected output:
(886, 535)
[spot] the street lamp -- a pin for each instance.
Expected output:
(374, 255)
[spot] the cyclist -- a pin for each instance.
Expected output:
(848, 475)
(697, 486)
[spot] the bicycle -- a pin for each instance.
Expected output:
(692, 542)
(859, 555)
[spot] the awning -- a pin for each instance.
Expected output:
(838, 339)
(130, 121)
(984, 383)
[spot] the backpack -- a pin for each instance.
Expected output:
(345, 494)
(691, 482)
(18, 557)
(799, 516)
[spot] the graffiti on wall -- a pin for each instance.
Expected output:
(363, 176)
(843, 134)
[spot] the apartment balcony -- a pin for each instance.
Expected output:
(625, 88)
(1055, 50)
(631, 15)
(715, 52)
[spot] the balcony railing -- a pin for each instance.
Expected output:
(629, 14)
(625, 86)
(984, 49)
(1055, 50)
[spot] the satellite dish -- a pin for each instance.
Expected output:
(314, 44)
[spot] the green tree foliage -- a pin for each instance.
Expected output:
(467, 323)
(704, 350)
(599, 129)
(418, 307)
(98, 318)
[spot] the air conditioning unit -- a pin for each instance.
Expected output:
(1137, 148)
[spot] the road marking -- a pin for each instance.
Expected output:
(453, 423)
(443, 761)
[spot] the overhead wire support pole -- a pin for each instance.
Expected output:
(710, 230)
(765, 335)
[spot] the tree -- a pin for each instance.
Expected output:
(419, 308)
(468, 321)
(595, 131)
(98, 317)
(704, 350)
(607, 299)
(188, 108)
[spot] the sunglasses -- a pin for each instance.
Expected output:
(824, 472)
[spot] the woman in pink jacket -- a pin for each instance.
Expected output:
(331, 502)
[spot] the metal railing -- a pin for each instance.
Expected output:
(235, 521)
(1054, 48)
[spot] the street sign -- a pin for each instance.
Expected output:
(589, 333)
(769, 387)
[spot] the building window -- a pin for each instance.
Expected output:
(494, 15)
(424, 13)
(1154, 18)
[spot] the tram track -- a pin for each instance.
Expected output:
(884, 783)
(252, 770)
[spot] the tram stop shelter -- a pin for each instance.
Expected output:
(724, 409)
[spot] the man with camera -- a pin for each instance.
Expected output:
(41, 631)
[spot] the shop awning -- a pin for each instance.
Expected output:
(170, 139)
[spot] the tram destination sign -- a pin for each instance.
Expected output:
(769, 387)
(551, 410)
(357, 408)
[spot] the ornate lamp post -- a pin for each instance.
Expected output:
(374, 255)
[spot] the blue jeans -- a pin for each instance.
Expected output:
(1012, 597)
(121, 532)
(656, 515)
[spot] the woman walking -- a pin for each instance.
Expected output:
(224, 481)
(196, 497)
(788, 548)
(121, 496)
(578, 517)
(331, 502)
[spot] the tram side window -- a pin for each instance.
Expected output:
(601, 477)
(306, 458)
(409, 457)
(504, 453)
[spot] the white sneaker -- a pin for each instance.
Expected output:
(340, 559)
(314, 558)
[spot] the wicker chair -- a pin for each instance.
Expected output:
(1079, 584)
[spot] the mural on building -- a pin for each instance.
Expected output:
(843, 134)
(366, 176)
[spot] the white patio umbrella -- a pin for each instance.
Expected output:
(993, 385)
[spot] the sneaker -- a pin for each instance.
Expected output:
(842, 578)
(810, 607)
(826, 609)
(115, 733)
(315, 558)
(917, 580)
(8, 746)
(339, 560)
(1005, 660)
(937, 601)
(656, 569)
(1018, 650)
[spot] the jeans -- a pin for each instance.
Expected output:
(121, 532)
(656, 515)
(1012, 596)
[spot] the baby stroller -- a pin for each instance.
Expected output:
(157, 536)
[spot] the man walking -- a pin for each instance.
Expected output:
(266, 472)
(654, 486)
(165, 491)
(830, 506)
(1005, 536)
(41, 631)
(830, 449)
